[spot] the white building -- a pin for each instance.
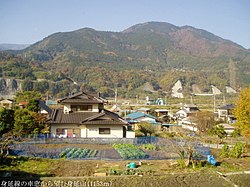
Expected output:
(83, 115)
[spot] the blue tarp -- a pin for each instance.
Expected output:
(211, 160)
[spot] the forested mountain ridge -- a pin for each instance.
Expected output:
(154, 52)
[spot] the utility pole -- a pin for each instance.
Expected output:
(116, 96)
(191, 99)
(214, 103)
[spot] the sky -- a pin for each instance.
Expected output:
(29, 21)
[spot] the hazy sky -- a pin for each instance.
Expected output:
(28, 21)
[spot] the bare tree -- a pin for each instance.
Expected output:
(4, 146)
(185, 148)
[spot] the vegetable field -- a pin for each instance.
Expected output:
(129, 151)
(78, 153)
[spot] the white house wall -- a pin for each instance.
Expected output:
(92, 131)
(83, 131)
(115, 131)
(95, 108)
(61, 126)
(130, 134)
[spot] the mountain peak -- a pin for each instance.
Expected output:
(162, 27)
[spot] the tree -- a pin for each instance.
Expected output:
(25, 123)
(242, 112)
(31, 97)
(219, 131)
(204, 120)
(6, 120)
(4, 146)
(185, 147)
(146, 128)
(27, 96)
(33, 105)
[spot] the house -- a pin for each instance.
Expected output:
(7, 103)
(190, 108)
(161, 112)
(83, 115)
(137, 117)
(140, 116)
(144, 110)
(23, 104)
(115, 108)
(183, 113)
(225, 113)
(186, 123)
(228, 128)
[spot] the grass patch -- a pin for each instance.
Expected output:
(25, 166)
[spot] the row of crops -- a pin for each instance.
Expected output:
(129, 151)
(78, 153)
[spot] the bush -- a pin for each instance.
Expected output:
(236, 133)
(181, 163)
(237, 150)
(138, 133)
(225, 151)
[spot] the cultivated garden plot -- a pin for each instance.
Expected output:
(78, 153)
(93, 151)
(34, 150)
(130, 151)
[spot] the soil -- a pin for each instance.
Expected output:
(190, 180)
(154, 173)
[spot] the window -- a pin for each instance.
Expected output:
(81, 107)
(104, 130)
(60, 131)
(84, 108)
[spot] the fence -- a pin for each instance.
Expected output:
(166, 148)
(46, 139)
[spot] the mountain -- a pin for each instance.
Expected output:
(155, 53)
(4, 47)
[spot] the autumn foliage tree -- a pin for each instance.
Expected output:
(242, 112)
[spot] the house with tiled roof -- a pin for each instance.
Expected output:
(83, 115)
(136, 117)
(7, 103)
(225, 113)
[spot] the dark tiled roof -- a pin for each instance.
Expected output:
(44, 106)
(104, 122)
(82, 97)
(88, 118)
(79, 101)
(75, 118)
